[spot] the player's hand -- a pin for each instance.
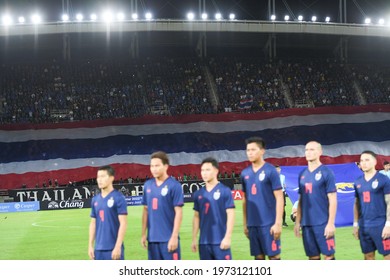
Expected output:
(225, 243)
(386, 232)
(116, 253)
(246, 232)
(194, 246)
(297, 230)
(355, 232)
(330, 229)
(276, 231)
(144, 242)
(91, 253)
(173, 243)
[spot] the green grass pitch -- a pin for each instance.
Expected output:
(63, 235)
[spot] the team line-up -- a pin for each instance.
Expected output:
(263, 210)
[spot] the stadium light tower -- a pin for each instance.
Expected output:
(190, 16)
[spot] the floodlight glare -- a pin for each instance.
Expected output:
(300, 17)
(120, 16)
(21, 20)
(218, 16)
(36, 19)
(313, 18)
(367, 21)
(79, 17)
(273, 17)
(286, 17)
(134, 16)
(65, 17)
(93, 17)
(107, 16)
(7, 20)
(190, 16)
(148, 16)
(381, 21)
(232, 16)
(204, 16)
(327, 19)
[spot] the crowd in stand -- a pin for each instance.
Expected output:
(88, 90)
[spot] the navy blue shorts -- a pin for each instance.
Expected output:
(214, 252)
(107, 255)
(159, 251)
(262, 242)
(315, 242)
(371, 240)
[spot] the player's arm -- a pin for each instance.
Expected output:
(227, 240)
(276, 229)
(297, 226)
(173, 242)
(116, 253)
(195, 230)
(356, 218)
(386, 229)
(144, 226)
(92, 233)
(330, 227)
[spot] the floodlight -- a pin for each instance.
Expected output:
(120, 16)
(190, 16)
(313, 18)
(79, 17)
(300, 18)
(204, 16)
(148, 16)
(273, 17)
(286, 17)
(93, 17)
(21, 20)
(36, 19)
(232, 16)
(134, 16)
(218, 16)
(327, 19)
(367, 21)
(65, 17)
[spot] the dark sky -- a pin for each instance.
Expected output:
(357, 10)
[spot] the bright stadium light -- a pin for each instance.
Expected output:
(36, 19)
(300, 18)
(273, 17)
(148, 16)
(367, 21)
(93, 17)
(313, 18)
(218, 16)
(79, 17)
(286, 17)
(327, 19)
(120, 16)
(134, 16)
(204, 16)
(190, 16)
(21, 20)
(381, 21)
(6, 20)
(65, 17)
(232, 16)
(107, 16)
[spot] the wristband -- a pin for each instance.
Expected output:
(355, 224)
(387, 224)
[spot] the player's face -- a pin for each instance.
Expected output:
(254, 152)
(367, 162)
(312, 151)
(387, 167)
(208, 172)
(157, 168)
(104, 179)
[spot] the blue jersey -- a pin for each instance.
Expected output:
(211, 207)
(161, 202)
(259, 190)
(371, 198)
(313, 189)
(105, 211)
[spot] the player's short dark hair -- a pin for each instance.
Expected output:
(109, 169)
(258, 140)
(386, 162)
(369, 153)
(211, 160)
(277, 166)
(161, 155)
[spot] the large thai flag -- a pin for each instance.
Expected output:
(73, 151)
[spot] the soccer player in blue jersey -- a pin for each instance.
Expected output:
(262, 203)
(213, 215)
(162, 214)
(108, 224)
(372, 209)
(317, 206)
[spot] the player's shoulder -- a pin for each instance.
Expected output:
(382, 177)
(149, 182)
(173, 182)
(223, 187)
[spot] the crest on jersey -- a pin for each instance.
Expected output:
(262, 176)
(374, 184)
(217, 195)
(164, 190)
(110, 202)
(318, 176)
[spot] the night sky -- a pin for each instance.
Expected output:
(51, 10)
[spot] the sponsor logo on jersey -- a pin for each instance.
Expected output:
(164, 190)
(217, 195)
(318, 176)
(110, 202)
(262, 176)
(374, 184)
